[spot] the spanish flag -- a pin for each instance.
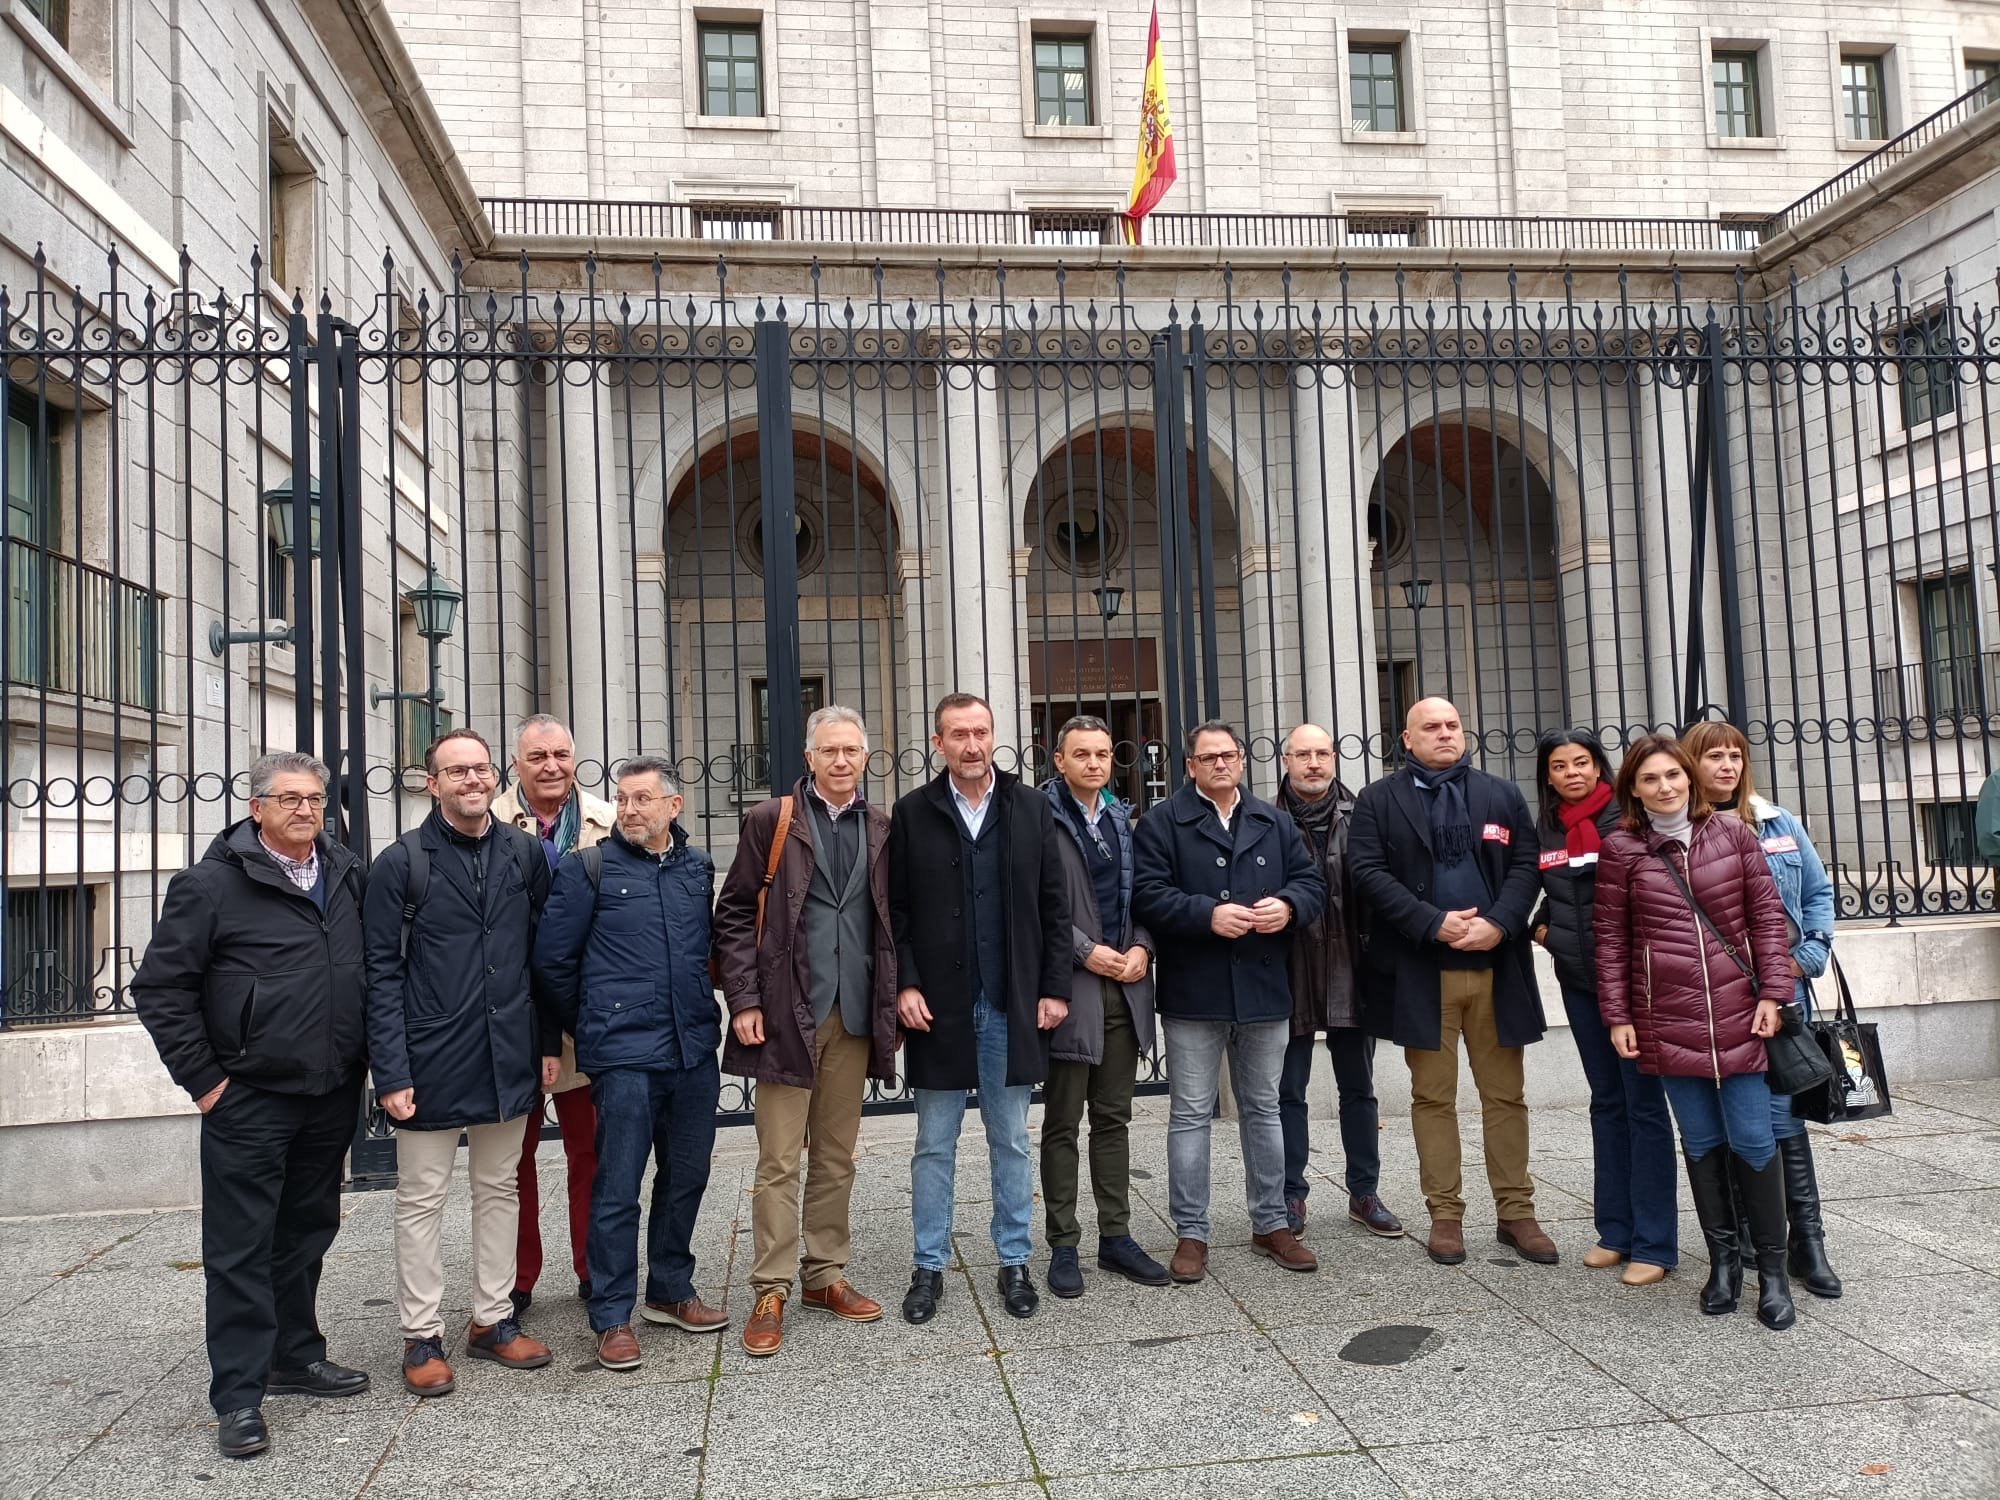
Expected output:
(1154, 172)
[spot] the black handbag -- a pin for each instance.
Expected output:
(1795, 1063)
(1793, 1060)
(1858, 1088)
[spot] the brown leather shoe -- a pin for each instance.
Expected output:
(1527, 1238)
(764, 1334)
(505, 1344)
(843, 1301)
(692, 1314)
(1447, 1242)
(618, 1348)
(1286, 1249)
(424, 1369)
(1190, 1262)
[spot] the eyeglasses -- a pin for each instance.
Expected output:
(639, 801)
(293, 801)
(1215, 760)
(484, 770)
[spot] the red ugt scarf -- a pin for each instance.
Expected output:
(1579, 820)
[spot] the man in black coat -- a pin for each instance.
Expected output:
(1444, 856)
(252, 989)
(1222, 882)
(979, 909)
(456, 1045)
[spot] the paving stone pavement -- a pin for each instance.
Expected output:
(1526, 1381)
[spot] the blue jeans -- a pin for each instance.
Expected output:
(1353, 1054)
(1256, 1053)
(667, 1114)
(1003, 1110)
(1633, 1176)
(1737, 1113)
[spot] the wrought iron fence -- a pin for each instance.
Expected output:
(1625, 514)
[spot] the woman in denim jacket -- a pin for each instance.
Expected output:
(1721, 757)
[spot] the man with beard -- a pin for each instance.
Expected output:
(622, 956)
(1325, 996)
(455, 1044)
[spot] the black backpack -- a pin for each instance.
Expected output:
(527, 851)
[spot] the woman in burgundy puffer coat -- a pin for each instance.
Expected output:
(1685, 1002)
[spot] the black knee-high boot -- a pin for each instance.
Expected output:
(1709, 1178)
(1808, 1235)
(1764, 1205)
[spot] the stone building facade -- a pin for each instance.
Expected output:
(1457, 363)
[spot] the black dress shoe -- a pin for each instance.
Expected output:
(1017, 1290)
(239, 1434)
(920, 1302)
(523, 1299)
(1123, 1255)
(320, 1378)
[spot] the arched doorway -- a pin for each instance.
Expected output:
(1091, 527)
(1461, 531)
(713, 576)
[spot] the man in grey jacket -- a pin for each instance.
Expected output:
(1094, 1056)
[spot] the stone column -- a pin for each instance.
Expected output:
(584, 677)
(972, 554)
(1337, 616)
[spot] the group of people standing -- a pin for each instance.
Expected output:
(539, 942)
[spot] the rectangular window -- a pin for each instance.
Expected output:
(1950, 836)
(1740, 232)
(1948, 636)
(1861, 97)
(1375, 79)
(410, 370)
(1062, 81)
(1737, 115)
(1069, 228)
(48, 954)
(732, 71)
(1928, 386)
(735, 221)
(1385, 231)
(1396, 694)
(753, 761)
(1983, 73)
(53, 15)
(289, 192)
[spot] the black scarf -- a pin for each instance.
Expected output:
(1313, 818)
(1451, 819)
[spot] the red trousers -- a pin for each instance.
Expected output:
(577, 1121)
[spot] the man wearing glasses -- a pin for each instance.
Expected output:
(1326, 996)
(252, 989)
(455, 1044)
(622, 957)
(1222, 880)
(545, 801)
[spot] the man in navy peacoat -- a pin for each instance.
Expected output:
(1223, 879)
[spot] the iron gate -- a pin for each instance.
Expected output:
(679, 514)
